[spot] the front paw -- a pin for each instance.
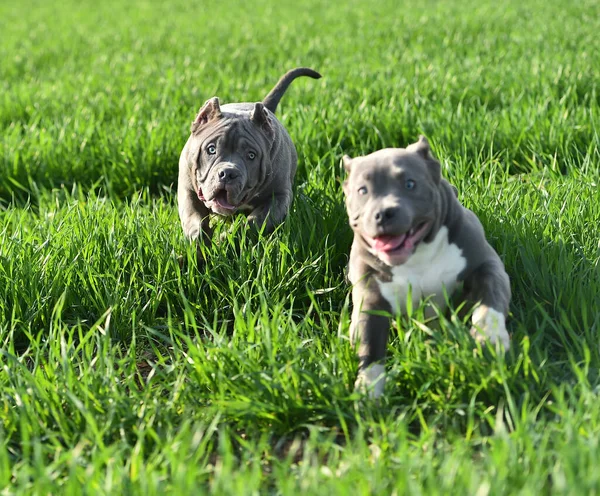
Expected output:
(489, 325)
(371, 381)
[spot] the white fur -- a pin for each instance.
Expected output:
(490, 324)
(431, 268)
(371, 380)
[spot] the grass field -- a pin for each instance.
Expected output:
(124, 374)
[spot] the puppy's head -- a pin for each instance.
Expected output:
(393, 199)
(229, 155)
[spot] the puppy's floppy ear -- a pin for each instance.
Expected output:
(347, 163)
(260, 117)
(209, 111)
(423, 149)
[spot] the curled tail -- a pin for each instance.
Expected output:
(272, 99)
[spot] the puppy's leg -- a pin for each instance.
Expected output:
(194, 216)
(489, 286)
(195, 220)
(272, 212)
(370, 332)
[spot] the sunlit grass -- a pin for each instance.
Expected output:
(124, 372)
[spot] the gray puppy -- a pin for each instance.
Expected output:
(413, 239)
(239, 158)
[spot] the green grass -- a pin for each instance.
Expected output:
(124, 374)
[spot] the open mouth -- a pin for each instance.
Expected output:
(400, 244)
(220, 200)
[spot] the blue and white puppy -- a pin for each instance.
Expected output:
(413, 237)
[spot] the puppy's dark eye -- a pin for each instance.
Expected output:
(251, 155)
(410, 184)
(211, 149)
(363, 190)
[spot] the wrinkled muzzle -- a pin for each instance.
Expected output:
(384, 216)
(225, 188)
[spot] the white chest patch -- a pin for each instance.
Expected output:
(431, 268)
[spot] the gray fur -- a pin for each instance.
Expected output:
(388, 193)
(238, 158)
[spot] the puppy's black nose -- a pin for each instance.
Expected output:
(228, 174)
(385, 214)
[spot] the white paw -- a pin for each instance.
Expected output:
(371, 381)
(490, 325)
(191, 232)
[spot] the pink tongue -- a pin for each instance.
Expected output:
(388, 243)
(221, 200)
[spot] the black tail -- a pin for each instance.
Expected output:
(272, 99)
